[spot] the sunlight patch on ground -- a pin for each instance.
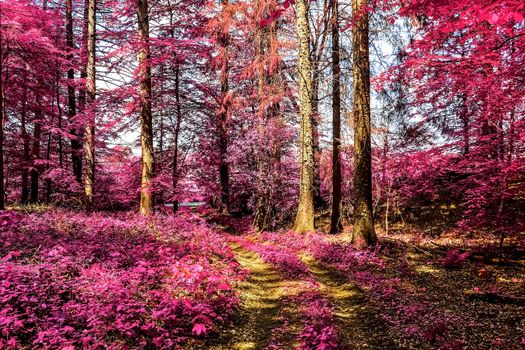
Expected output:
(427, 269)
(245, 345)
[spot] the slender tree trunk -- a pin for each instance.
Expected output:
(268, 158)
(48, 158)
(2, 122)
(319, 39)
(363, 231)
(224, 168)
(83, 73)
(176, 137)
(304, 221)
(146, 132)
(76, 145)
(59, 110)
(89, 146)
(335, 220)
(27, 156)
(261, 216)
(35, 172)
(319, 202)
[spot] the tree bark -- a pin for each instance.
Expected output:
(35, 172)
(76, 145)
(27, 156)
(224, 168)
(262, 209)
(59, 110)
(304, 221)
(318, 40)
(2, 122)
(146, 132)
(90, 99)
(335, 219)
(176, 137)
(363, 231)
(269, 150)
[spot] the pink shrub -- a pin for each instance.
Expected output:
(99, 281)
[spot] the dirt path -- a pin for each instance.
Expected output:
(261, 312)
(358, 325)
(260, 305)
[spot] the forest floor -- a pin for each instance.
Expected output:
(228, 288)
(424, 294)
(262, 310)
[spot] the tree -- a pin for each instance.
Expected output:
(319, 39)
(224, 168)
(76, 146)
(363, 230)
(267, 66)
(37, 138)
(26, 155)
(146, 131)
(304, 221)
(2, 118)
(90, 99)
(335, 218)
(176, 134)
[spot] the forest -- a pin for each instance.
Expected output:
(262, 174)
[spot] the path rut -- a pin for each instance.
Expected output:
(358, 324)
(260, 305)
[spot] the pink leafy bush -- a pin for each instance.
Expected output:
(112, 281)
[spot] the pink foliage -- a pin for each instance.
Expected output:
(92, 281)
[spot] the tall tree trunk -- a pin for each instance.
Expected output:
(261, 216)
(146, 132)
(176, 137)
(37, 136)
(76, 145)
(319, 202)
(2, 122)
(319, 39)
(59, 110)
(83, 73)
(27, 156)
(224, 167)
(89, 146)
(363, 231)
(268, 162)
(335, 220)
(48, 159)
(304, 221)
